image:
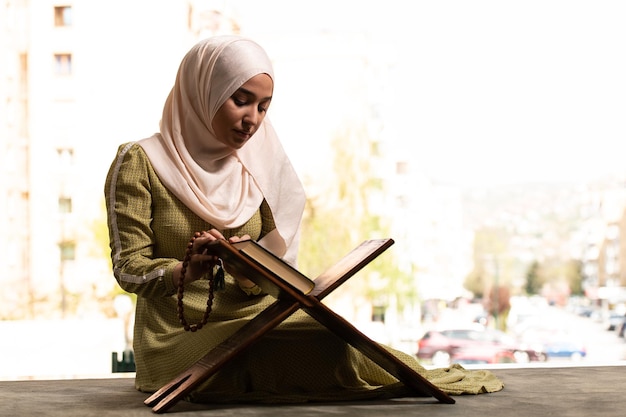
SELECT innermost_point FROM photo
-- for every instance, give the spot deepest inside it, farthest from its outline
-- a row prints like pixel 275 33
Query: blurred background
pixel 486 138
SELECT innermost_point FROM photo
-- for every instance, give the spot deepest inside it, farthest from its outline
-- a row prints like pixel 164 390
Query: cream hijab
pixel 225 187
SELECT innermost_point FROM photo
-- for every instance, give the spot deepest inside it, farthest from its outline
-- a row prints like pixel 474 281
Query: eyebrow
pixel 250 93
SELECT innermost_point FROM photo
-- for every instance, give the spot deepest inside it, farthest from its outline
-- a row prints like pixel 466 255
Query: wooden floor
pixel 545 391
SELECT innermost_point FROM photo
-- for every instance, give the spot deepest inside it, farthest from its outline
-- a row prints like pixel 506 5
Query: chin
pixel 237 144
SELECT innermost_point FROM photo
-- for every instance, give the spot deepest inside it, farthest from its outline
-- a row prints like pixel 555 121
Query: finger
pixel 216 234
pixel 205 261
pixel 199 245
pixel 206 236
pixel 203 240
pixel 234 239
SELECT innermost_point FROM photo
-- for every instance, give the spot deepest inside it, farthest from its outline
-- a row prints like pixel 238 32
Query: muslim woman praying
pixel 217 167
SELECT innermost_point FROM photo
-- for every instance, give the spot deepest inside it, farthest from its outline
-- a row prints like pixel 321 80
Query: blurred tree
pixel 533 282
pixel 490 244
pixel 555 278
pixel 574 274
pixel 498 304
pixel 102 249
pixel 100 230
pixel 475 281
pixel 339 218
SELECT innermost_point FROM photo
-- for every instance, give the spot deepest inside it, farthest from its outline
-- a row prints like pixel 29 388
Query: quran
pixel 248 259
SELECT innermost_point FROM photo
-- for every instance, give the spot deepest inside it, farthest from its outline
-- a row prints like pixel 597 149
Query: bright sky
pixel 479 92
pixel 513 91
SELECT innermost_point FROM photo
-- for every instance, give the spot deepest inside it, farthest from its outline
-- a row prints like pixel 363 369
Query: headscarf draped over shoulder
pixel 223 186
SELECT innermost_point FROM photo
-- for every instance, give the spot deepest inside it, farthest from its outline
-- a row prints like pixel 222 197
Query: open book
pixel 248 259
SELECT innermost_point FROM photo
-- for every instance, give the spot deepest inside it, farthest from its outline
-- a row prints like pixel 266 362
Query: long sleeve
pixel 129 199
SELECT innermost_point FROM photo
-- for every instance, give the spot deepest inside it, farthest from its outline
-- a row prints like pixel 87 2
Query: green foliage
pixel 100 231
pixel 490 261
pixel 339 219
pixel 474 282
pixel 575 277
pixel 392 282
pixel 102 249
pixel 325 239
pixel 552 272
pixel 533 281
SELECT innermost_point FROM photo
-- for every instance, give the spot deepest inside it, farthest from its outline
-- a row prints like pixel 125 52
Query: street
pixel 603 346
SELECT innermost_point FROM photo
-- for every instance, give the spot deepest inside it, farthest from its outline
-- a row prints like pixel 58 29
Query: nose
pixel 251 118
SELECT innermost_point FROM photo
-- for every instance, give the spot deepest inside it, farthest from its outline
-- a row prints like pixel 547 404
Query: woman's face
pixel 242 113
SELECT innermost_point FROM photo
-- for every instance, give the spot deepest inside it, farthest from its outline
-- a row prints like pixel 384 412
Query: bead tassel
pixel 216 282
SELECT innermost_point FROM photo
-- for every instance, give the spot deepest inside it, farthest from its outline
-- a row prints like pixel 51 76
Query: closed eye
pixel 238 101
pixel 264 107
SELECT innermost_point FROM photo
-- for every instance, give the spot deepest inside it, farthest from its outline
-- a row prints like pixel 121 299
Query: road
pixel 540 323
pixel 603 346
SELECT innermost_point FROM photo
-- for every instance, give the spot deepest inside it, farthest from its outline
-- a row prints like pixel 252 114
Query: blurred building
pixel 69 95
pixel 604 256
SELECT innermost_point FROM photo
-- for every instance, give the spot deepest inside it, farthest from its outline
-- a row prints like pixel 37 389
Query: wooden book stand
pixel 289 302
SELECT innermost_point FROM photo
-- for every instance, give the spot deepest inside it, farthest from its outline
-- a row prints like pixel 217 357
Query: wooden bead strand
pixel 181 283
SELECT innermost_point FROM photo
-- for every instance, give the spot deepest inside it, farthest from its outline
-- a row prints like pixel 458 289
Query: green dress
pixel 300 360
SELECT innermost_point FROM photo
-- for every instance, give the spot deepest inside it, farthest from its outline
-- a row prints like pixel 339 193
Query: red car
pixel 480 355
pixel 439 347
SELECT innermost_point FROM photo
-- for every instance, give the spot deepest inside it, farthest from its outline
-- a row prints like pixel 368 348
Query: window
pixel 68 251
pixel 63 16
pixel 62 64
pixel 66 157
pixel 402 167
pixel 65 205
pixel 378 314
pixel 21 105
pixel 402 201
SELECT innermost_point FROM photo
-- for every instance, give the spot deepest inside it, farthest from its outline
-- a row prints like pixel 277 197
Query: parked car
pixel 557 343
pixel 614 321
pixel 481 355
pixel 584 311
pixel 439 347
pixel 564 348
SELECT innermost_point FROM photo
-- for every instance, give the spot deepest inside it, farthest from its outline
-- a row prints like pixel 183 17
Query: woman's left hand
pixel 209 236
pixel 238 238
pixel 243 282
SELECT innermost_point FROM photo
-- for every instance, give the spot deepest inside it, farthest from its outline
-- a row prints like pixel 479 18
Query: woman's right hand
pixel 199 261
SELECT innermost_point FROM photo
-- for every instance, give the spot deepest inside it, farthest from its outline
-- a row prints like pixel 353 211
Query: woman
pixel 217 166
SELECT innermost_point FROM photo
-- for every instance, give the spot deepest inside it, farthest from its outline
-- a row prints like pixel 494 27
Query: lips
pixel 243 135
